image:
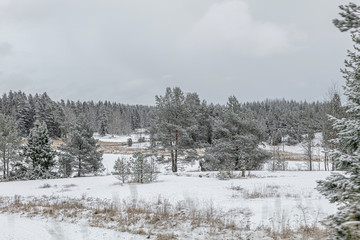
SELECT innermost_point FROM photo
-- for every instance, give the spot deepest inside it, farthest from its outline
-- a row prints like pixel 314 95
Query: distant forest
pixel 282 120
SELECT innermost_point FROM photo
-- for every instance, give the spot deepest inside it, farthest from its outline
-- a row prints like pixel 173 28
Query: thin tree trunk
pixel 7 166
pixel 79 170
pixel 4 160
pixel 243 170
pixel 176 150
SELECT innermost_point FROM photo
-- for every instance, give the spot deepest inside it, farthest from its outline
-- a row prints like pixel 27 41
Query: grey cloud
pixel 128 51
pixel 5 49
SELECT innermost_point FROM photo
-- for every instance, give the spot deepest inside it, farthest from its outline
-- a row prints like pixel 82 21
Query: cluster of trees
pixel 232 133
pixel 140 168
pixel 35 158
pixel 103 117
pixel 282 120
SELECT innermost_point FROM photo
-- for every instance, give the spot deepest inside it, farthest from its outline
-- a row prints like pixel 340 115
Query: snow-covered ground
pixel 298 148
pixel 15 227
pixel 285 193
pixel 271 199
pixel 139 133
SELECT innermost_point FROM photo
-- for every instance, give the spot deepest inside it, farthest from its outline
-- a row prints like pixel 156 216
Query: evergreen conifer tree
pixel 235 144
pixel 10 143
pixel 171 124
pixel 80 152
pixel 344 189
pixel 122 169
pixel 39 150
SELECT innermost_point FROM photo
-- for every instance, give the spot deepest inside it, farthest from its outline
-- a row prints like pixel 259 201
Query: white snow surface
pixel 296 190
pixel 123 138
pixel 15 227
pixel 295 195
pixel 298 148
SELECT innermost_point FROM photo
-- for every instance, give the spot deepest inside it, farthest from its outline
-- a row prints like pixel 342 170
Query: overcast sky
pixel 131 50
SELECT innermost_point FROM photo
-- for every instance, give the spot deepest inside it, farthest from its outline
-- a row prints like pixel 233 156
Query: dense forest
pixel 104 117
pixel 282 120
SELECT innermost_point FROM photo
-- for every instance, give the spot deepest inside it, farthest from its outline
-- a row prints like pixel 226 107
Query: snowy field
pixel 267 199
pixel 139 133
pixel 262 205
pixel 298 148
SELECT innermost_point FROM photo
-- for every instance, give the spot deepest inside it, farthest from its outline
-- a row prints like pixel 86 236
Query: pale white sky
pixel 130 50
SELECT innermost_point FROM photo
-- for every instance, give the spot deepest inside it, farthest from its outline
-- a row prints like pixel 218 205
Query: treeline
pixel 287 121
pixel 231 133
pixel 104 117
pixel 179 123
pixel 282 120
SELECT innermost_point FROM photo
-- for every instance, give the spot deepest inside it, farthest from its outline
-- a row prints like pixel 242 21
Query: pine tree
pixel 10 143
pixel 171 124
pixel 122 169
pixel 235 144
pixel 80 152
pixel 143 169
pixel 39 150
pixel 344 189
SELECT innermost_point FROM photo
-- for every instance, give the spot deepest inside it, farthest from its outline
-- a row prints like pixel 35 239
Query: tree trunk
pixel 79 170
pixel 243 170
pixel 175 160
pixel 176 151
pixel 7 166
pixel 4 160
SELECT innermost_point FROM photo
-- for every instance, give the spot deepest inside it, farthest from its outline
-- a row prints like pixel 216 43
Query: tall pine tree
pixel 171 124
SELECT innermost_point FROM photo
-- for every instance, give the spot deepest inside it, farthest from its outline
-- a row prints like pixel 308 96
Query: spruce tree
pixel 39 150
pixel 344 189
pixel 10 143
pixel 80 152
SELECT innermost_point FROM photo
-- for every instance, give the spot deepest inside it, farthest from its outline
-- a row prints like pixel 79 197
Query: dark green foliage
pixel 80 151
pixel 235 142
pixel 172 124
pixel 39 151
pixel 122 169
pixel 10 143
pixel 105 117
pixel 143 168
pixel 129 142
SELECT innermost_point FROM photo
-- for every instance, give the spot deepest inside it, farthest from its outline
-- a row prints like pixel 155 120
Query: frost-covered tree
pixel 38 149
pixel 236 141
pixel 122 169
pixel 143 168
pixel 344 189
pixel 80 152
pixel 10 143
pixel 103 122
pixel 171 123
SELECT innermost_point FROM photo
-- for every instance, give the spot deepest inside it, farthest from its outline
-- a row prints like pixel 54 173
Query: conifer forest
pixel 229 119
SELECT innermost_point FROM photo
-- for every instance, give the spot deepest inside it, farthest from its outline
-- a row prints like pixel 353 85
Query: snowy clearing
pixel 268 199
